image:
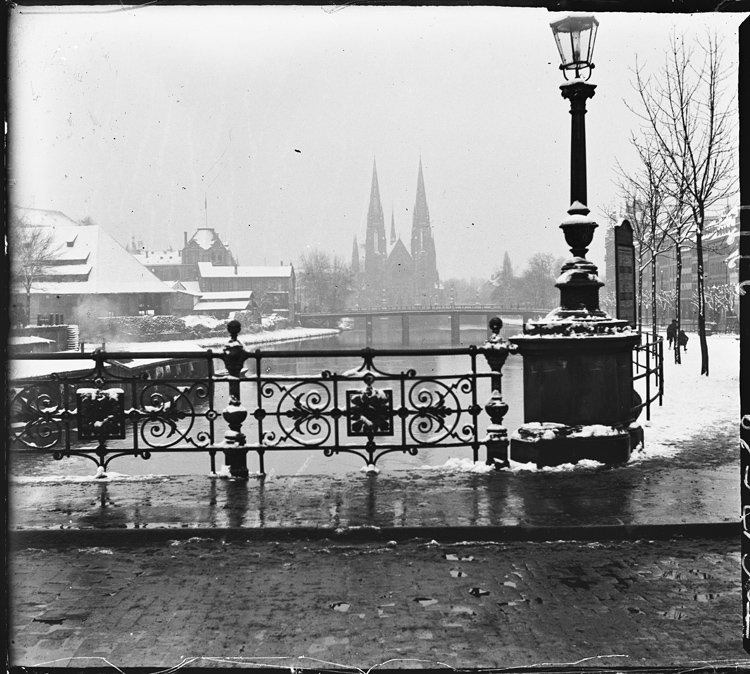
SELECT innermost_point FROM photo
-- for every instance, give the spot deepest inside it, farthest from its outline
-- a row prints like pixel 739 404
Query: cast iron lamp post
pixel 575 37
pixel 578 373
pixel 579 287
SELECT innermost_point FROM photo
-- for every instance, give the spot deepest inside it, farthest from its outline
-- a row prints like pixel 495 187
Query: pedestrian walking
pixel 671 333
pixel 682 340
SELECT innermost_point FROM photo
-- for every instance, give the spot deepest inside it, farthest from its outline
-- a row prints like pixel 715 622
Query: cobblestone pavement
pixel 304 603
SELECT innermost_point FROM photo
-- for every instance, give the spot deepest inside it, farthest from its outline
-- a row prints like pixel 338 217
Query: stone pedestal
pixel 578 393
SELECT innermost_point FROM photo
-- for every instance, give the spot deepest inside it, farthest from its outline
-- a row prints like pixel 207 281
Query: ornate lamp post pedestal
pixel 577 370
pixel 579 401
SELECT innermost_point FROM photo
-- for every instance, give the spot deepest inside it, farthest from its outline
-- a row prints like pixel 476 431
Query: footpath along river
pixel 279 462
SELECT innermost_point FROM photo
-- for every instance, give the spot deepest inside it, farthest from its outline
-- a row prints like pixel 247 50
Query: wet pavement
pixel 635 566
pixel 702 487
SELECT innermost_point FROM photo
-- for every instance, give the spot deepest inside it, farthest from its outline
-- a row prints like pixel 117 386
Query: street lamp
pixel 579 286
pixel 575 37
pixel 577 360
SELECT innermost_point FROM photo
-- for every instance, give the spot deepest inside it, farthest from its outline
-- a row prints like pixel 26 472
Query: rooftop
pixel 208 270
pixel 101 264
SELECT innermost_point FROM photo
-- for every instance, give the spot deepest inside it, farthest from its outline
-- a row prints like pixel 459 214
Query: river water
pixel 427 332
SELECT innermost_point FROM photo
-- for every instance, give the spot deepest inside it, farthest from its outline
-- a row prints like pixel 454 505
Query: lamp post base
pixel 551 444
pixel 579 401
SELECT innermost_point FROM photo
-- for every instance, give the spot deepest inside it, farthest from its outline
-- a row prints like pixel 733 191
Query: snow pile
pixel 287 335
pixel 454 465
pixel 588 464
pixel 274 322
pixel 596 431
pixel 96 551
pixel 100 394
pixel 205 321
pixel 556 326
pixel 535 431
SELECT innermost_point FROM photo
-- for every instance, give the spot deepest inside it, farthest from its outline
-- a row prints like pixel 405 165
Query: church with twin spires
pixel 389 274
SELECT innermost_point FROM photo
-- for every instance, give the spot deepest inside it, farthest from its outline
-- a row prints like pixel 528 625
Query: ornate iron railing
pixel 137 403
pixel 648 364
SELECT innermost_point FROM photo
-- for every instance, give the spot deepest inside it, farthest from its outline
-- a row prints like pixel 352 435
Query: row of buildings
pixel 720 271
pixel 90 275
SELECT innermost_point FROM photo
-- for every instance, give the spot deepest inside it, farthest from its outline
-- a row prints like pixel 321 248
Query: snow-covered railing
pixel 105 404
pixel 648 365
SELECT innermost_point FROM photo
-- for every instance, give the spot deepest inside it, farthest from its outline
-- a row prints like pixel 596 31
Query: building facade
pixel 206 266
pixel 721 276
pixel 390 275
pixel 89 276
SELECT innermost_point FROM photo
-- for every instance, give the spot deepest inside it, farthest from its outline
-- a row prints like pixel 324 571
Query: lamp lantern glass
pixel 575 37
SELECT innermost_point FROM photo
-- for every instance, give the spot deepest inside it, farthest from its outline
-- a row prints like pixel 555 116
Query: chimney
pixel 185 236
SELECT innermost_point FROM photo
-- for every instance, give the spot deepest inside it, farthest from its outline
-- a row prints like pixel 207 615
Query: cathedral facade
pixel 390 274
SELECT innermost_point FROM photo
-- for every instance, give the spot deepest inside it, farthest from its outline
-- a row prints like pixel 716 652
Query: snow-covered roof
pixel 43 218
pixel 72 255
pixel 155 257
pixel 82 270
pixel 208 270
pixel 227 295
pixel 726 226
pixel 109 268
pixel 193 287
pixel 20 340
pixel 240 305
pixel 179 286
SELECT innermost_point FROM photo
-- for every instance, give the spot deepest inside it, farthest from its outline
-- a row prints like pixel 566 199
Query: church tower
pixel 375 246
pixel 423 248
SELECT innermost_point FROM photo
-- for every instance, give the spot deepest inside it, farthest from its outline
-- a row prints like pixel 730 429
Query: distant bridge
pixel 455 311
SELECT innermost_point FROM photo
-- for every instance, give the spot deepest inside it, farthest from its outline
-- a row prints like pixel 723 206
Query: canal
pixel 427 332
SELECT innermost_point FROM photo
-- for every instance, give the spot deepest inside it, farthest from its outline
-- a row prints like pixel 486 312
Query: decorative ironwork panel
pixel 101 414
pixel 38 415
pixel 129 404
pixel 369 412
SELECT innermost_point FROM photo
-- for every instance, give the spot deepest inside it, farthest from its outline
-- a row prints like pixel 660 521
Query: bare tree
pixel 504 283
pixel 536 286
pixel 33 251
pixel 327 280
pixel 684 107
pixel 646 194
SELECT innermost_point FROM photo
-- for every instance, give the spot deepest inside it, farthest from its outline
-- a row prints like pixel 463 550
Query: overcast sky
pixel 273 115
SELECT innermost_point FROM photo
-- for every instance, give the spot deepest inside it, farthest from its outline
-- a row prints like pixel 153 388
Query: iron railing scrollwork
pixel 139 403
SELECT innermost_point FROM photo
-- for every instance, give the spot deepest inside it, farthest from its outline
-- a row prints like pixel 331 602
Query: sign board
pixel 625 272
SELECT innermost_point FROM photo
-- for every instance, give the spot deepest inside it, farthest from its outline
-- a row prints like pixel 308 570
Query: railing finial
pixel 234 327
pixel 496 324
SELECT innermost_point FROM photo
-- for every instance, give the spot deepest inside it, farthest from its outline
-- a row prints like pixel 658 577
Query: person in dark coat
pixel 682 340
pixel 671 333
